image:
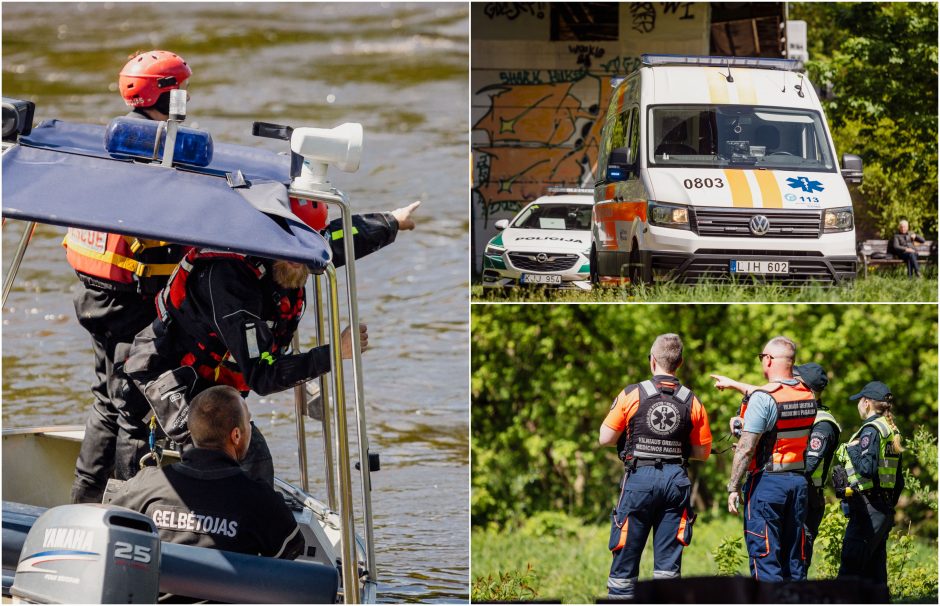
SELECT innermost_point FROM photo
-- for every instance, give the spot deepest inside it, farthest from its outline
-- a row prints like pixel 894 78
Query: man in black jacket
pixel 902 246
pixel 207 500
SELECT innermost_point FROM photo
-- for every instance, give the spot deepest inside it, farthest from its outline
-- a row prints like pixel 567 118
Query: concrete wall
pixel 536 102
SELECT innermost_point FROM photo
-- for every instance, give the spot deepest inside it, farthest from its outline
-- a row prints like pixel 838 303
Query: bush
pixel 921 480
pixel 729 556
pixel 907 581
pixel 551 524
pixel 827 548
pixel 511 586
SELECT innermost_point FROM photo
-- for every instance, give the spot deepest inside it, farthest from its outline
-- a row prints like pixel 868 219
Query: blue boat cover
pixel 62 174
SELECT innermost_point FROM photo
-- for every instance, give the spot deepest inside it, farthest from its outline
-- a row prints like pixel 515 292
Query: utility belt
pixel 157 447
pixel 880 498
pixel 878 495
pixel 779 472
pixel 846 491
pixel 635 463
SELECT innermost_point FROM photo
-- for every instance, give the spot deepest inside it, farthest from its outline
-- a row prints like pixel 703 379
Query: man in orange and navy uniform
pixel 772 449
pixel 657 426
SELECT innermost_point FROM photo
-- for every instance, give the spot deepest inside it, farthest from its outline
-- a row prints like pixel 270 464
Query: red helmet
pixel 147 75
pixel 311 212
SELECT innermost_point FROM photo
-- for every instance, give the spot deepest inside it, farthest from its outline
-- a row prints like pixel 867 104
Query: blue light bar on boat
pixel 136 138
pixel 787 65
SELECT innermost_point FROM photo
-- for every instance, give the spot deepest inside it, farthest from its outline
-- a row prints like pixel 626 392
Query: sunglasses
pixel 761 357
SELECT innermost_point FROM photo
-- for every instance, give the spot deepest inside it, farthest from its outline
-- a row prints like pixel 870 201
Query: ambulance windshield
pixel 738 135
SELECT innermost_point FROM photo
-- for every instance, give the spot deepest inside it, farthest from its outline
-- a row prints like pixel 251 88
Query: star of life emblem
pixel 663 418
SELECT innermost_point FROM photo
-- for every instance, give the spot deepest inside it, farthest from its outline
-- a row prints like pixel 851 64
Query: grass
pixel 571 565
pixel 889 287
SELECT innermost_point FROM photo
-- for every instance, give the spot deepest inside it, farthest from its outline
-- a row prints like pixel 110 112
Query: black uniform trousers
pixel 815 511
pixel 864 546
pixel 112 318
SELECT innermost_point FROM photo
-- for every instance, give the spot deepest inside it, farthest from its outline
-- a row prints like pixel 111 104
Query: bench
pixel 874 253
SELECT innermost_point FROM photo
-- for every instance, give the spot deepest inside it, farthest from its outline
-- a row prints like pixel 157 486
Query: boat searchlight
pixel 322 147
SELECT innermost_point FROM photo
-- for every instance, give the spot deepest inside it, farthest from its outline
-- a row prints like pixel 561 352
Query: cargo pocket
pixel 684 533
pixel 618 530
pixel 756 538
pixel 169 396
pixel 632 498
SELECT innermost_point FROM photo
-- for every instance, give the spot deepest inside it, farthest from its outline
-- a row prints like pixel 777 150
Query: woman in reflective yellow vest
pixel 872 462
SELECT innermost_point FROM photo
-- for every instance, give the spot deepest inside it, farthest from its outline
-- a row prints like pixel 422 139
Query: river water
pixel 400 70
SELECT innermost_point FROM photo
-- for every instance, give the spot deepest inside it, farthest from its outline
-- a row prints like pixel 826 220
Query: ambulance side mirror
pixel 851 168
pixel 620 164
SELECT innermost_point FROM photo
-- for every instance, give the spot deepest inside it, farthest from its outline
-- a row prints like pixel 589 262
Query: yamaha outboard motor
pixel 95 554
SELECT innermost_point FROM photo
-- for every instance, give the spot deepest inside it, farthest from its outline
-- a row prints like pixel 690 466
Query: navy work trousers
pixel 657 499
pixel 774 518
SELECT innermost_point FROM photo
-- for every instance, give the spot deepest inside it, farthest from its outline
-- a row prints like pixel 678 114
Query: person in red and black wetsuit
pixel 228 319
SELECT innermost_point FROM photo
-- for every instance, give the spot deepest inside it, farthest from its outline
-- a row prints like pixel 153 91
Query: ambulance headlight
pixel 838 219
pixel 667 215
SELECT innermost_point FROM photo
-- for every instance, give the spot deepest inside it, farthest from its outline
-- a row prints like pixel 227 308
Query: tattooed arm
pixel 743 453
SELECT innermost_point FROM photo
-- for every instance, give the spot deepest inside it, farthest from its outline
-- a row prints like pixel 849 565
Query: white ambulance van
pixel 720 168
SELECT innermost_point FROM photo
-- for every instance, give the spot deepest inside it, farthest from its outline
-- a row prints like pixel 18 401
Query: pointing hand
pixel 403 216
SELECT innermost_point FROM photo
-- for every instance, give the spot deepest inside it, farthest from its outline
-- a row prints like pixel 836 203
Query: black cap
pixel 876 390
pixel 813 375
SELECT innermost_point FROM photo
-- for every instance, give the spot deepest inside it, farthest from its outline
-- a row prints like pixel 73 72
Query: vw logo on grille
pixel 541 257
pixel 759 225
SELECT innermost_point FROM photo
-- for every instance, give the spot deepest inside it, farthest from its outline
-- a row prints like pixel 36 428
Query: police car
pixel 547 244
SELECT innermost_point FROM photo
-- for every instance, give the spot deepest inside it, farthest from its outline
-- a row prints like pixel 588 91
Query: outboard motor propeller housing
pixel 93 554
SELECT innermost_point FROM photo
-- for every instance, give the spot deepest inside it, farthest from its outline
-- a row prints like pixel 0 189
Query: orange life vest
pixel 121 260
pixel 783 448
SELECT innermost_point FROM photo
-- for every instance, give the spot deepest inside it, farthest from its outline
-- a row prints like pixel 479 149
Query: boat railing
pixel 345 501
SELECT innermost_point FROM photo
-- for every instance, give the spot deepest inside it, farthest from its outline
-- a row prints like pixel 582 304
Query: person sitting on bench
pixel 902 246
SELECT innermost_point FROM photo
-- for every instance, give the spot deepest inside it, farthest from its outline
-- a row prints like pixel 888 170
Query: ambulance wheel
pixel 639 273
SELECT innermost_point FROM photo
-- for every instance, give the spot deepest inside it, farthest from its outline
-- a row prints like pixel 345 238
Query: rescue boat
pixel 68 174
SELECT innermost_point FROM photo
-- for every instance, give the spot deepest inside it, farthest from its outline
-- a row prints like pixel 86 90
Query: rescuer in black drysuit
pixel 207 500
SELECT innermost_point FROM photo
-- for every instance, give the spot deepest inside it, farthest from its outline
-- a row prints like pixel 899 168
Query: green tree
pixel 880 61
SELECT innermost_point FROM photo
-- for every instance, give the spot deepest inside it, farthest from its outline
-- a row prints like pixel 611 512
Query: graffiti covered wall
pixel 537 103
